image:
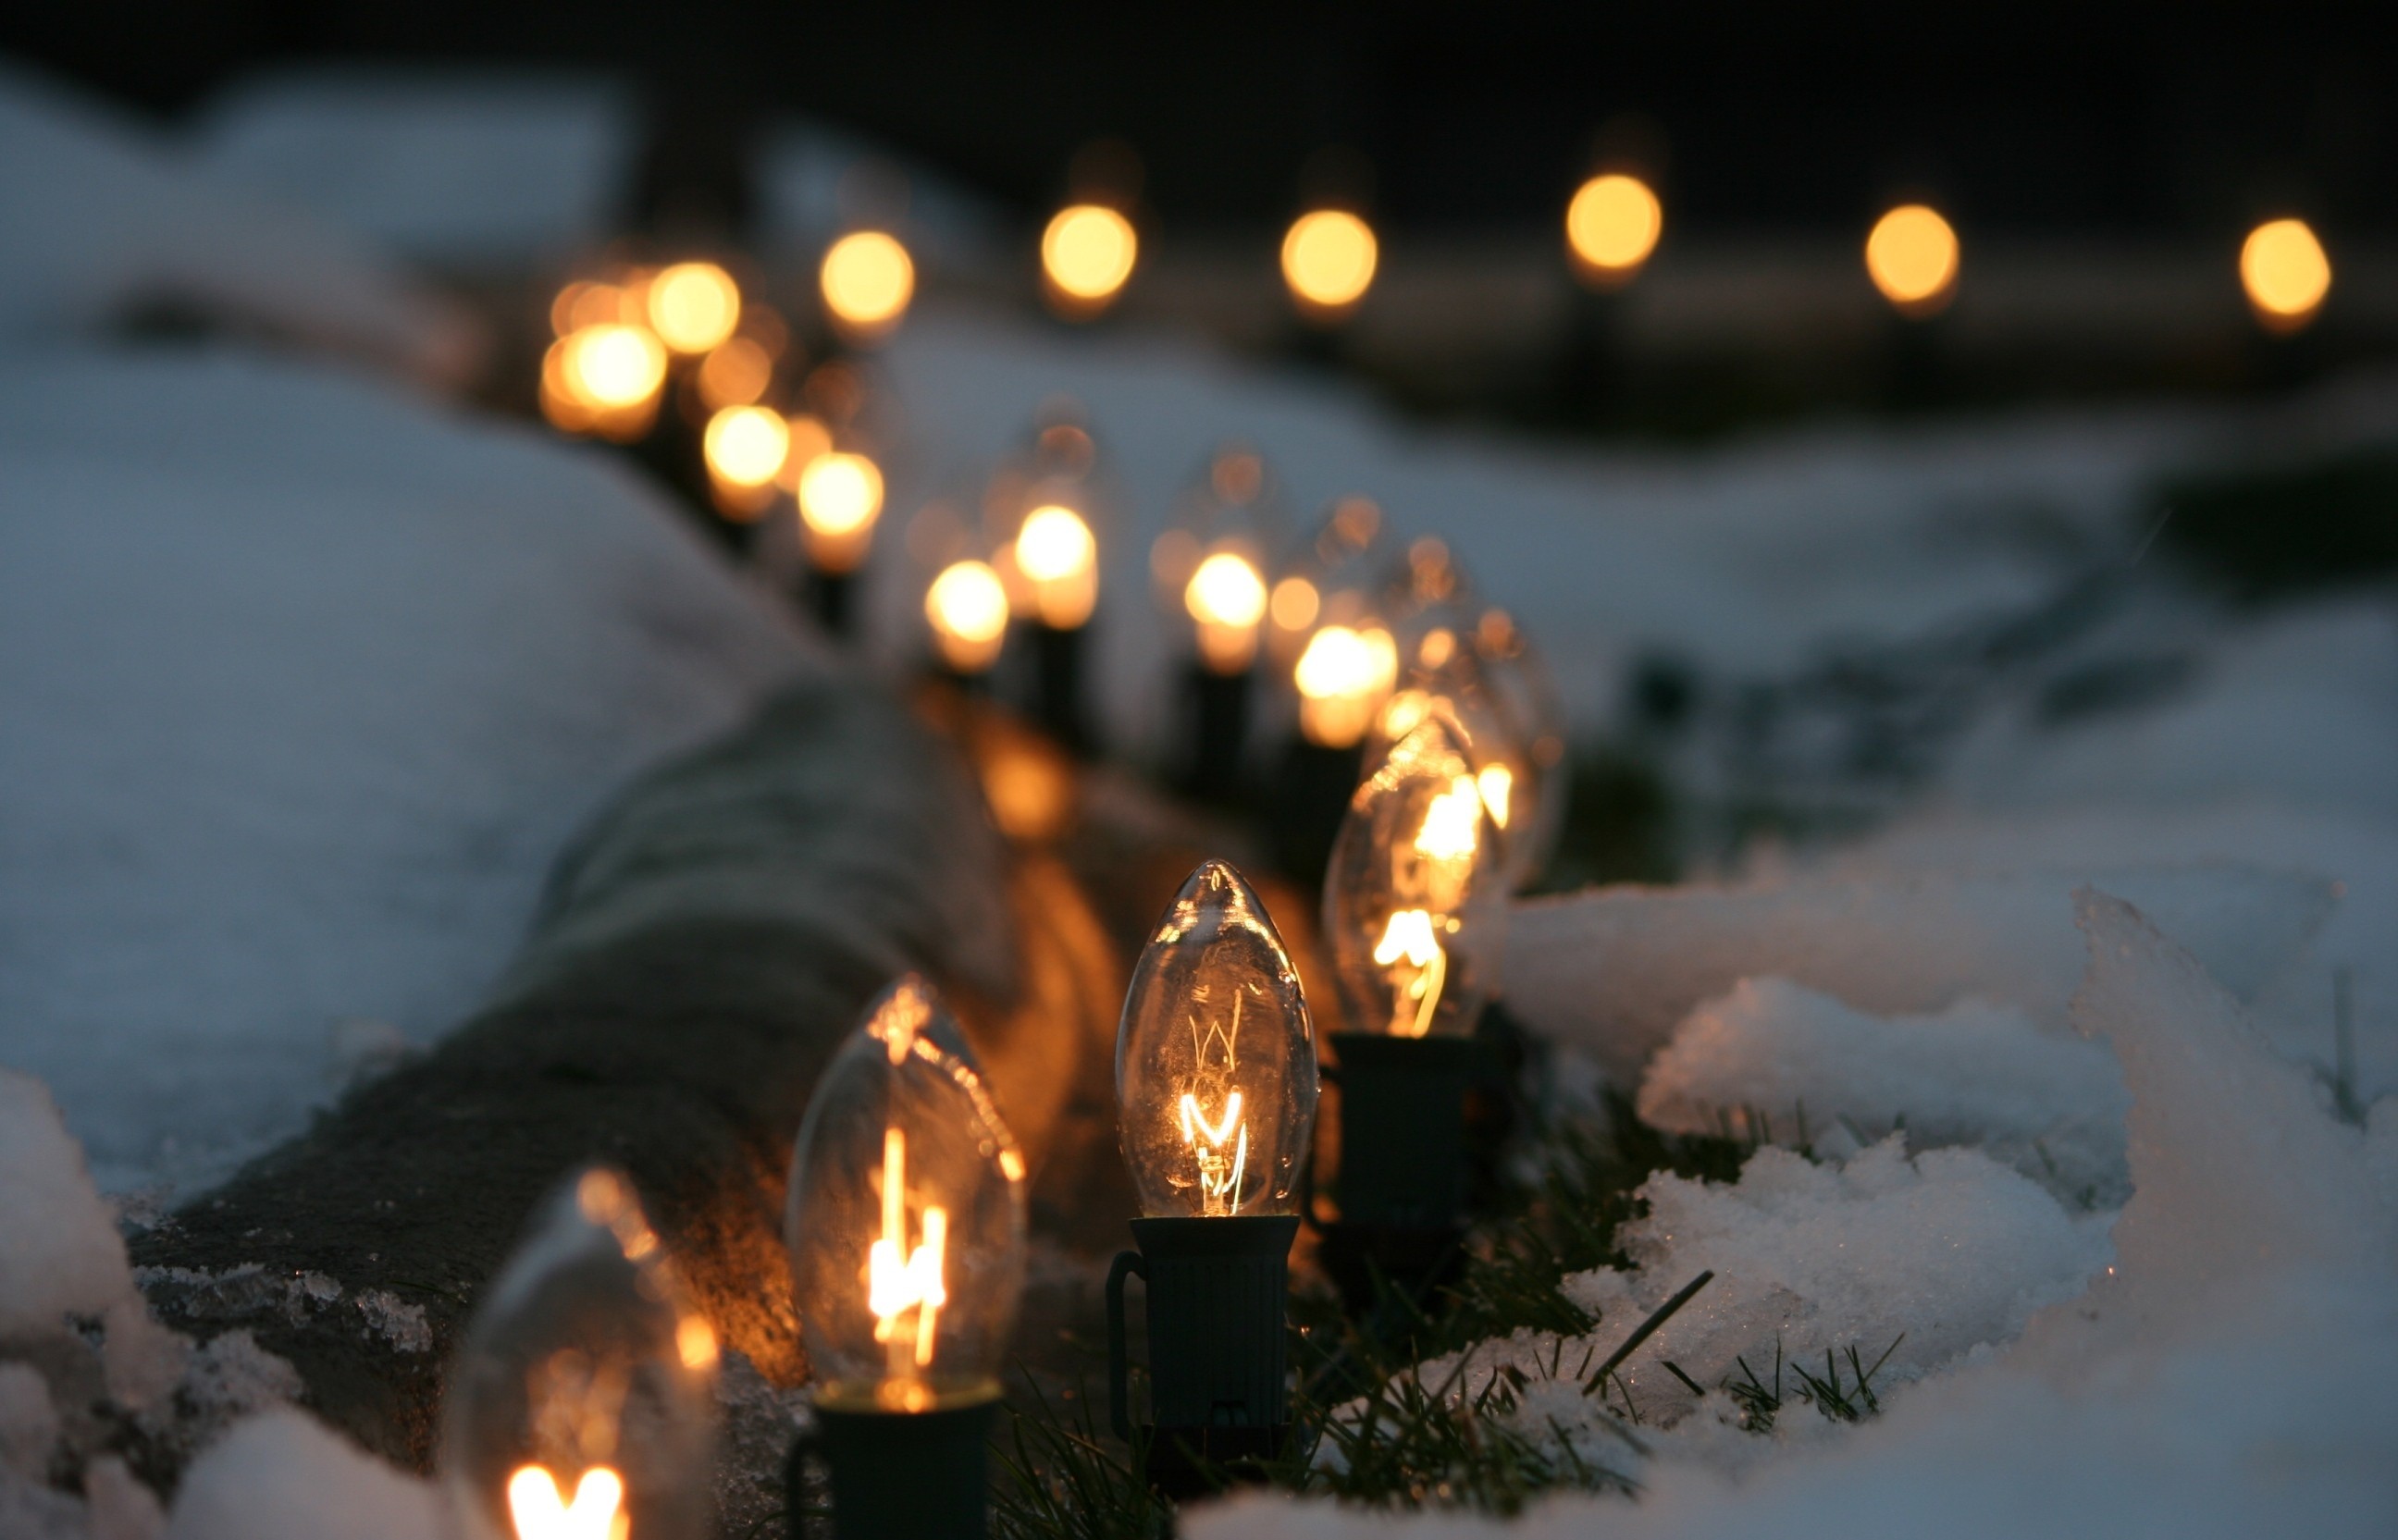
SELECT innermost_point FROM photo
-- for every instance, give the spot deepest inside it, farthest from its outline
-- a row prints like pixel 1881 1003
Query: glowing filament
pixel 1495 783
pixel 1227 599
pixel 1219 1178
pixel 893 1287
pixel 1448 831
pixel 541 1513
pixel 1058 553
pixel 1420 968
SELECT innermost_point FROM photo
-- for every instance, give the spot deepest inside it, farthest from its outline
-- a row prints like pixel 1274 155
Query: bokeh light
pixel 967 608
pixel 613 366
pixel 1912 256
pixel 693 306
pixel 1057 555
pixel 1087 254
pixel 1612 225
pixel 2285 272
pixel 1227 599
pixel 1328 259
pixel 1342 680
pixel 745 446
pixel 1295 604
pixel 867 279
pixel 735 374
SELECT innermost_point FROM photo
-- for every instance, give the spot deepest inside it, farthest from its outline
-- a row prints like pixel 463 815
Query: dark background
pixel 2131 120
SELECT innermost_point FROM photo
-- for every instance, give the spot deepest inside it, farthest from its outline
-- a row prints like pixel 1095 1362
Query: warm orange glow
pixel 1030 787
pixel 868 280
pixel 967 607
pixel 593 304
pixel 1227 599
pixel 1612 225
pixel 1328 259
pixel 900 1279
pixel 2285 272
pixel 1219 1173
pixel 1087 254
pixel 695 1343
pixel 839 497
pixel 841 493
pixel 1056 553
pixel 745 446
pixel 540 1512
pixel 735 374
pixel 693 306
pixel 1496 784
pixel 1438 865
pixel 1343 678
pixel 1912 256
pixel 613 366
pixel 1295 604
pixel 810 438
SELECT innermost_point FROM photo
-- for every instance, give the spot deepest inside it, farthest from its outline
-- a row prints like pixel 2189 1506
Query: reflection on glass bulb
pixel 585 1372
pixel 1216 1081
pixel 906 1218
pixel 1414 901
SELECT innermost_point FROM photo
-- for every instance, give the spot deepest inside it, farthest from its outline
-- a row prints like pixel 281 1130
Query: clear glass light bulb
pixel 1216 1079
pixel 1415 899
pixel 582 1406
pixel 906 1216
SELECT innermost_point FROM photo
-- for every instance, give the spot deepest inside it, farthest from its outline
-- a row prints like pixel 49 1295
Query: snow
pixel 2223 1379
pixel 103 217
pixel 281 1476
pixel 1974 1073
pixel 1612 972
pixel 309 684
pixel 1745 560
pixel 467 169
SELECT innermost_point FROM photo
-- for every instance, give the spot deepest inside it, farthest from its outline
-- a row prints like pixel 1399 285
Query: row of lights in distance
pixel 1612 225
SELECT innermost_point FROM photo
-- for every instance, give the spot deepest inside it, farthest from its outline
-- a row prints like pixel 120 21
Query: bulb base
pixel 1057 684
pixel 828 595
pixel 899 1474
pixel 1404 1160
pixel 1220 731
pixel 1215 1312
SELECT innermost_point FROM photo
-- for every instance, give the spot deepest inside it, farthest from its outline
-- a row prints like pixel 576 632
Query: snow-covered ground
pixel 310 676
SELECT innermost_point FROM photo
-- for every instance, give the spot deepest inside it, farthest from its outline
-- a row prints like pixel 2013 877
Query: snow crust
pixel 1613 971
pixel 309 684
pixel 104 216
pixel 2221 1378
pixel 1770 1059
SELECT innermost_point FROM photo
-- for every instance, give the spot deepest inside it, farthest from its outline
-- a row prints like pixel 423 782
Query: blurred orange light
pixel 1328 259
pixel 1056 552
pixel 967 608
pixel 2285 272
pixel 1227 599
pixel 693 306
pixel 1295 604
pixel 1912 256
pixel 840 496
pixel 613 366
pixel 745 446
pixel 1088 255
pixel 1343 678
pixel 868 280
pixel 735 374
pixel 1612 225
